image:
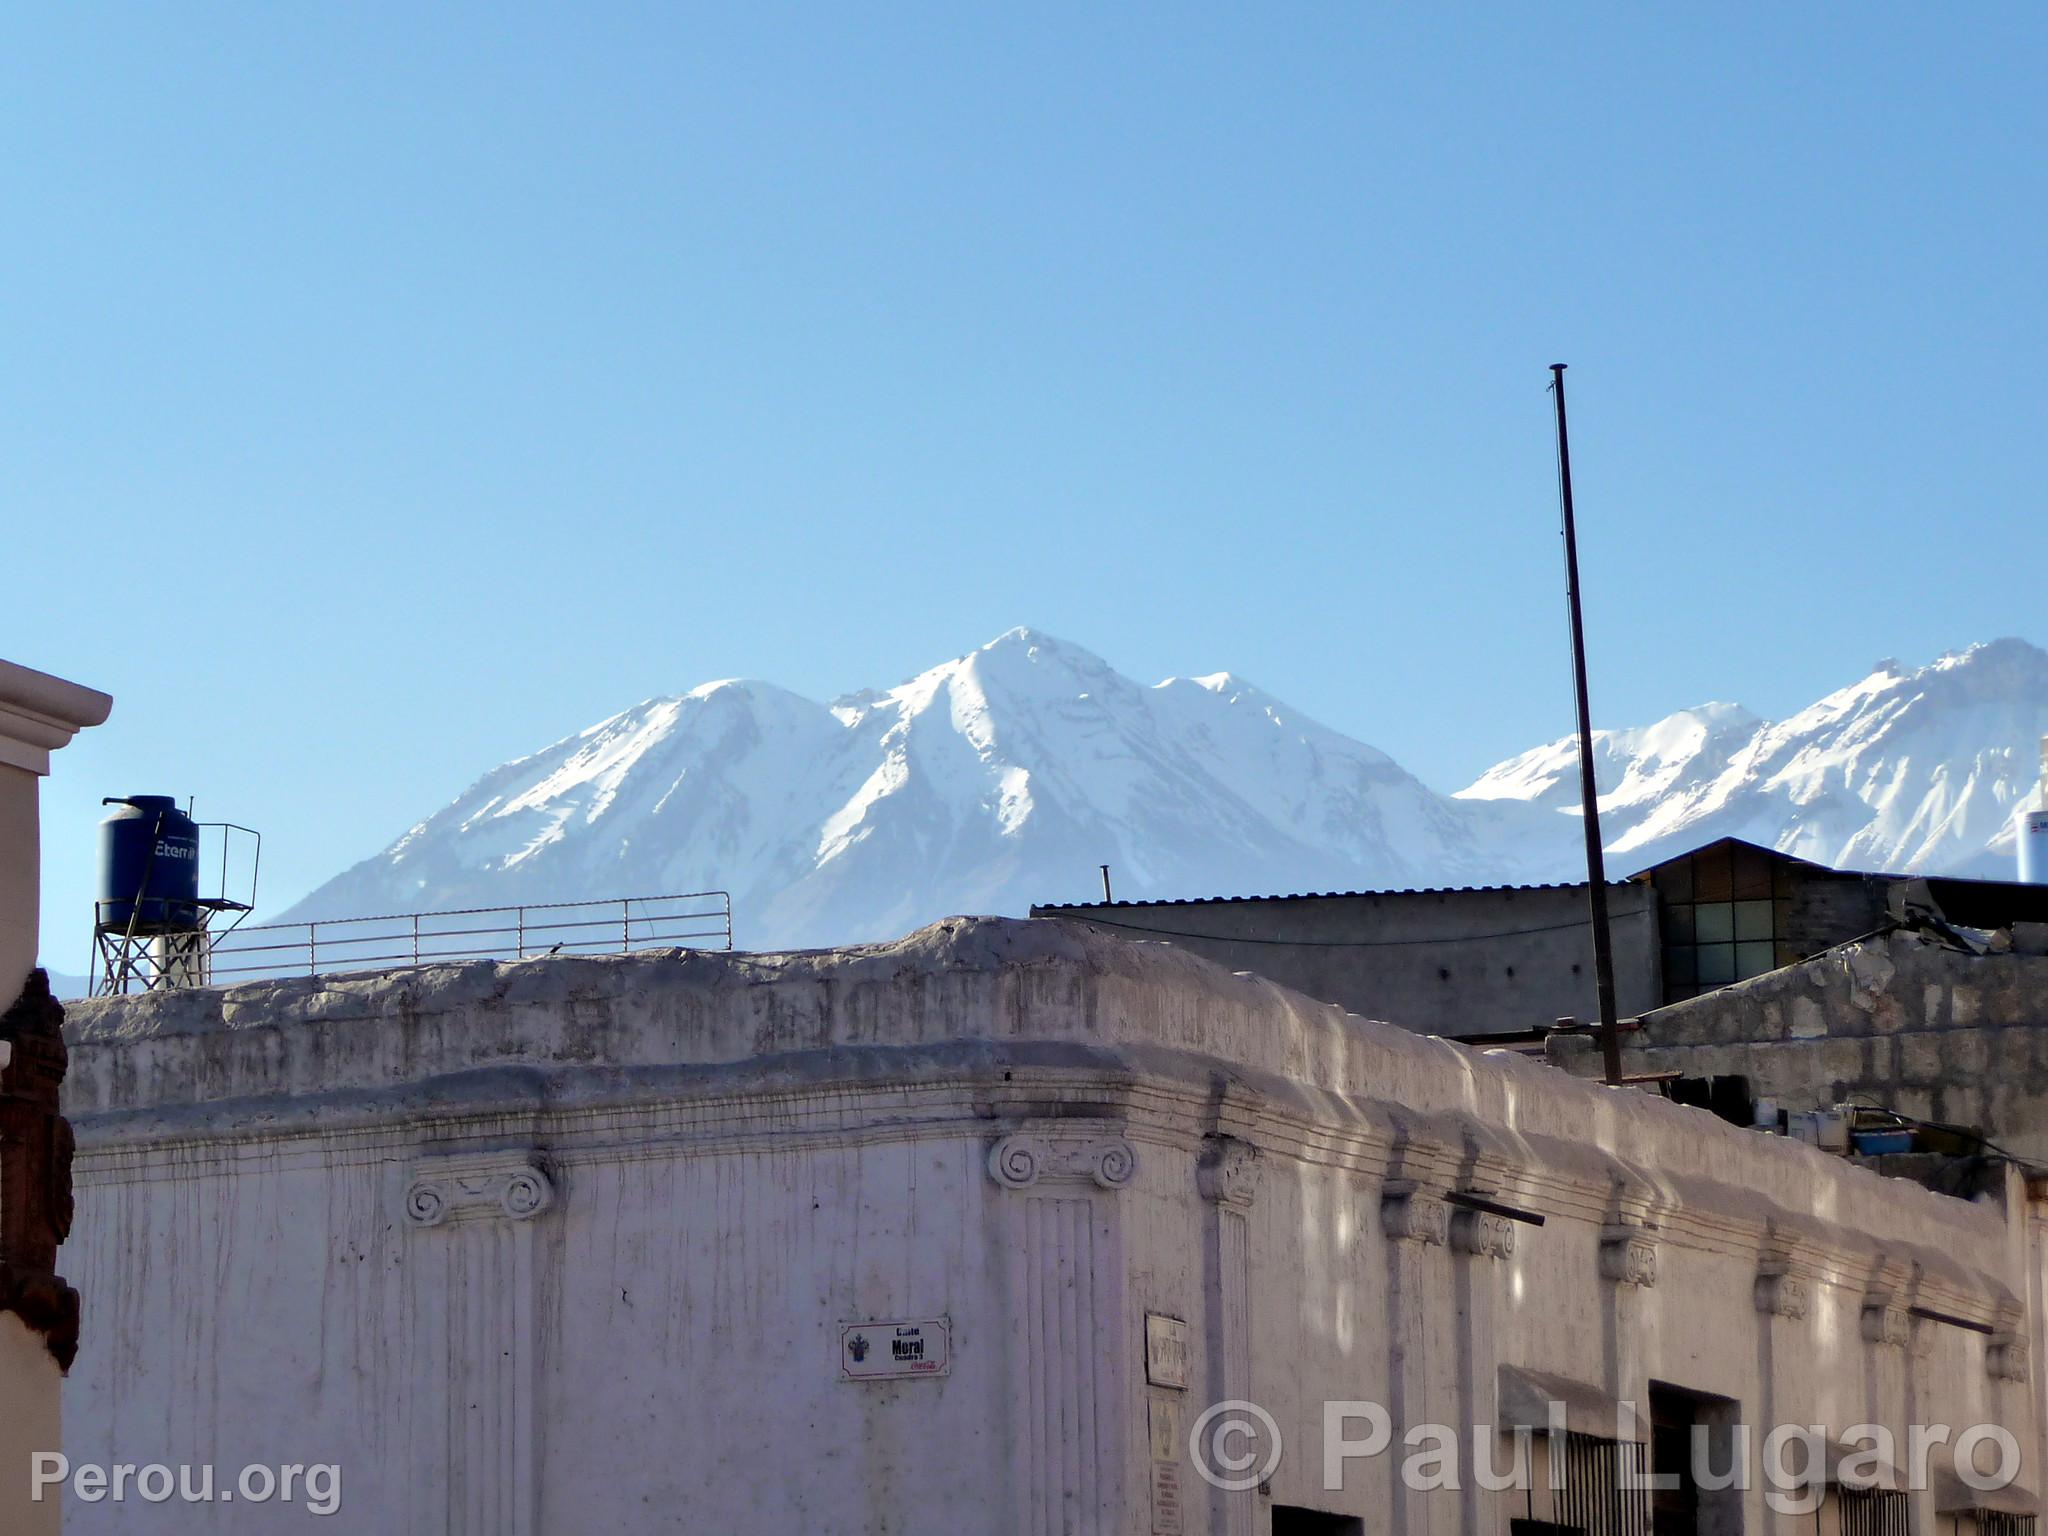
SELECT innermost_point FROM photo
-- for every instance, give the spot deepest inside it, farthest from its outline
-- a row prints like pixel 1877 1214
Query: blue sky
pixel 390 390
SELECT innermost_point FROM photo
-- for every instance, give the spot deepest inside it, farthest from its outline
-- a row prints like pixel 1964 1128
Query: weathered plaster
pixel 1036 1133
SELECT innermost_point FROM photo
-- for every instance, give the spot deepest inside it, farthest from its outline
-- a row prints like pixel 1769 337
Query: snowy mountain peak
pixel 722 685
pixel 991 781
pixel 1992 666
pixel 1634 764
pixel 1994 663
pixel 1029 657
pixel 1904 769
pixel 1005 776
pixel 1023 637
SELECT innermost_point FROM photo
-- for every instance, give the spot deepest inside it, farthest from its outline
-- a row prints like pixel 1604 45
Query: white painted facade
pixel 571 1246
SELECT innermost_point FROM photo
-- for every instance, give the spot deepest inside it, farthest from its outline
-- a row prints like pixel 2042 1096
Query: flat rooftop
pixel 1039 1017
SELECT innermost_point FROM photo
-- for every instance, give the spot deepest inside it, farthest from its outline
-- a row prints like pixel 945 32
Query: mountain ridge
pixel 1815 783
pixel 1003 777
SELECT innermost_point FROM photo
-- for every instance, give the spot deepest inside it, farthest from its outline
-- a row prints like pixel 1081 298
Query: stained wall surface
pixel 574 1245
pixel 1460 962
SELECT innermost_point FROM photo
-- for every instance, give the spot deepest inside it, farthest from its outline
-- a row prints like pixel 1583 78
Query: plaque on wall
pixel 1166 1351
pixel 894 1348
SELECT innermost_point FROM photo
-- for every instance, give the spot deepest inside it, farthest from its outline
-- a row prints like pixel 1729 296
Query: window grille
pixel 1605 1492
pixel 1873 1512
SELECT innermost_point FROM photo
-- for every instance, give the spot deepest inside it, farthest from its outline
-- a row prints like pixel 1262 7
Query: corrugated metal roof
pixel 1639 876
pixel 1213 901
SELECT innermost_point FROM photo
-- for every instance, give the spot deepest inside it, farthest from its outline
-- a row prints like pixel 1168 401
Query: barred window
pixel 1873 1512
pixel 1604 1492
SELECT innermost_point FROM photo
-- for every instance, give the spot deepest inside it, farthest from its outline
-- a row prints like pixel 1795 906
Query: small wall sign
pixel 1163 1424
pixel 895 1348
pixel 1162 1421
pixel 1166 1351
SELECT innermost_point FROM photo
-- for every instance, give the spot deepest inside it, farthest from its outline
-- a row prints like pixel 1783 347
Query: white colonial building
pixel 965 1233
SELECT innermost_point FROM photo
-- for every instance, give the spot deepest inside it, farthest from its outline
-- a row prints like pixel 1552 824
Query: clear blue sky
pixel 389 390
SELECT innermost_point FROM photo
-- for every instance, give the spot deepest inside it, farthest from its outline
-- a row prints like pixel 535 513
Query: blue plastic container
pixel 149 867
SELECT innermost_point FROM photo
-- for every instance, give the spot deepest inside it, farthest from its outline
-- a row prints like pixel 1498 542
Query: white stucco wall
pixel 30 1422
pixel 564 1246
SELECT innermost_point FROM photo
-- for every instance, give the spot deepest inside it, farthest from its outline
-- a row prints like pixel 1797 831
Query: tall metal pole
pixel 1589 793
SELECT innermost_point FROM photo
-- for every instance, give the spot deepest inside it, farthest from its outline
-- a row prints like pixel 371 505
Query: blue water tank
pixel 149 866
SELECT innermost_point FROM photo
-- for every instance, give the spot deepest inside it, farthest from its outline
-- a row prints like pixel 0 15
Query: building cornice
pixel 40 713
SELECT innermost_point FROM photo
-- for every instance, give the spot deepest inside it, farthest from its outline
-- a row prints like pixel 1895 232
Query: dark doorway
pixel 1686 1426
pixel 1674 1509
pixel 1289 1520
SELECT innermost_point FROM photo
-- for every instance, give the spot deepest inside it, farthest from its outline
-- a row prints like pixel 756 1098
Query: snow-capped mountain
pixel 993 781
pixel 1916 771
pixel 1006 776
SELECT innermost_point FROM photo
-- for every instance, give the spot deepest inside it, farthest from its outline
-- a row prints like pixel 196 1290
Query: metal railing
pixel 695 920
